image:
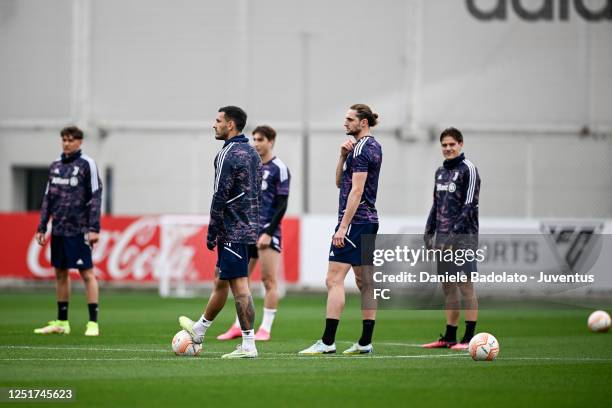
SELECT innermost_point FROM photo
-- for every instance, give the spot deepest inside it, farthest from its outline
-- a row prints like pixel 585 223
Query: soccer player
pixel 453 224
pixel 72 200
pixel 233 226
pixel 357 178
pixel 274 196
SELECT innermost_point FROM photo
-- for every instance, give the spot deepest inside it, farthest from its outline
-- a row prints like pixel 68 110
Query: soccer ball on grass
pixel 182 345
pixel 599 321
pixel 484 346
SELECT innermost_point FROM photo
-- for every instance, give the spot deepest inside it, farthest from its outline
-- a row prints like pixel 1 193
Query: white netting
pixel 181 267
pixel 177 271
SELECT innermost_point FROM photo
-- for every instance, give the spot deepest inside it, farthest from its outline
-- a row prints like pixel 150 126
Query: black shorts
pixel 351 252
pixel 275 244
pixel 450 268
pixel 71 252
pixel 233 260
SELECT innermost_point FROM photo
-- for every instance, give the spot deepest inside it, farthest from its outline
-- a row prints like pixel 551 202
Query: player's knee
pixel 61 275
pixel 240 290
pixel 220 285
pixel 467 290
pixel 470 304
pixel 449 289
pixel 88 276
pixel 332 282
pixel 269 283
pixel 242 297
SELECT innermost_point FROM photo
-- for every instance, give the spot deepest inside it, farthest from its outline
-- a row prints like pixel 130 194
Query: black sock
pixel 366 332
pixel 93 312
pixel 329 336
pixel 470 328
pixel 62 310
pixel 451 334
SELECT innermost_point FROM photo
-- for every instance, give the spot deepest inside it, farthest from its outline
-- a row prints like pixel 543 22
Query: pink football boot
pixel 233 333
pixel 262 335
pixel 440 343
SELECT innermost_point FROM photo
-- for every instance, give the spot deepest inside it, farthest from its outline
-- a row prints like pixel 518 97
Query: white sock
pixel 201 325
pixel 237 322
pixel 248 339
pixel 268 319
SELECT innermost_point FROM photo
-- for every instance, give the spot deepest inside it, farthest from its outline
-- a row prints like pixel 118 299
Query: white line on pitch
pixel 290 357
pixel 84 348
pixel 279 355
pixel 80 348
pixel 558 358
pixel 161 351
pixel 399 344
pixel 287 356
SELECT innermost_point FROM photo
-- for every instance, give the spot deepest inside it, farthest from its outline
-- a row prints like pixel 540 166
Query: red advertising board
pixel 129 250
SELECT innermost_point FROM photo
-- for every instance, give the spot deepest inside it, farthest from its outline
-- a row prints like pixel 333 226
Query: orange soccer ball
pixel 484 347
pixel 599 321
pixel 182 345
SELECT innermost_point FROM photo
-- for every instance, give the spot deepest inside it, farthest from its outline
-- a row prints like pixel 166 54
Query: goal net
pixel 186 266
pixel 182 260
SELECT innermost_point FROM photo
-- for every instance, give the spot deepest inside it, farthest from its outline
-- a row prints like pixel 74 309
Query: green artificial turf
pixel 547 358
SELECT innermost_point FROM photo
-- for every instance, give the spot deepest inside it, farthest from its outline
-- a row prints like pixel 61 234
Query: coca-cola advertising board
pixel 128 250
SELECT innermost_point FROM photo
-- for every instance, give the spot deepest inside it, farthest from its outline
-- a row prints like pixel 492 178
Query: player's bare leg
pixel 91 285
pixel 244 302
pixel 368 312
pixel 269 269
pixel 217 298
pixel 452 309
pixel 62 285
pixel 368 307
pixel 215 304
pixel 235 331
pixel 245 310
pixel 452 303
pixel 470 305
pixel 92 293
pixel 62 291
pixel 269 259
pixel 336 273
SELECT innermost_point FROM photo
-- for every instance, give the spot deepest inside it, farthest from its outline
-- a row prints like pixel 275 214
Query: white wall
pixel 155 72
pixel 317 231
pixel 35 70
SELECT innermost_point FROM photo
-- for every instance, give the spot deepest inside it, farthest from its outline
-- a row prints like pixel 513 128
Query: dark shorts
pixel 450 268
pixel 351 252
pixel 70 252
pixel 233 260
pixel 275 244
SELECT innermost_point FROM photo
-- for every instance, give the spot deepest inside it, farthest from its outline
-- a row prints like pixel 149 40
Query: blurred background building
pixel 529 82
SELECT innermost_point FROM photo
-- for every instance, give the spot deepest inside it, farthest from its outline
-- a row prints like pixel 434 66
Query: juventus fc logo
pixel 576 245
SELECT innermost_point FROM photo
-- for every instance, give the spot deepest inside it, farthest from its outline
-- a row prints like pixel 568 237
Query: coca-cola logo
pixel 118 255
pixel 135 251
